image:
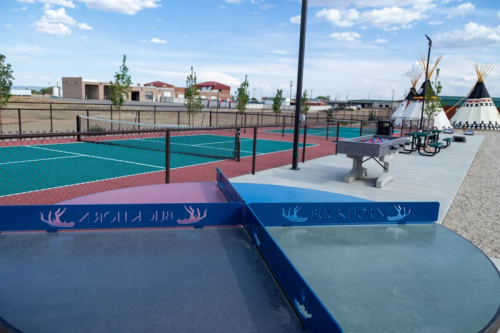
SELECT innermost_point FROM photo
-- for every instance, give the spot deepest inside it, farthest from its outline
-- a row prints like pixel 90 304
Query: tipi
pixel 414 75
pixel 414 109
pixel 478 111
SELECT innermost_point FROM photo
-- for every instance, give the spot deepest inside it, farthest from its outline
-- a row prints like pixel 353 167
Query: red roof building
pixel 159 84
pixel 213 85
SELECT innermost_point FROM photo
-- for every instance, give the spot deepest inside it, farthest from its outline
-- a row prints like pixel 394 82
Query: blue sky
pixel 358 47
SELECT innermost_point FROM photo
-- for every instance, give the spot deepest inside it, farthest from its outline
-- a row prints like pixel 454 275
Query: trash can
pixel 385 127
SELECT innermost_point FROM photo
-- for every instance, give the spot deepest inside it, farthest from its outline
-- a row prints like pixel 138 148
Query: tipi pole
pixel 426 83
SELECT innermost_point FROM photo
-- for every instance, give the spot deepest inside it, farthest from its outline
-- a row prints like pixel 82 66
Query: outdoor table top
pixel 418 134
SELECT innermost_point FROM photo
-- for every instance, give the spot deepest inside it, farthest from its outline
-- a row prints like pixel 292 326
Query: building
pixel 375 103
pixel 157 91
pixel 78 88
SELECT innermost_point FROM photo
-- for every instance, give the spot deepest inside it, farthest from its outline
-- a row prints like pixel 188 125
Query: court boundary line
pixel 99 157
pixel 39 160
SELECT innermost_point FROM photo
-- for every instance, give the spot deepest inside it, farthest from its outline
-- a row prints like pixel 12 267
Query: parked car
pixel 358 107
pixel 350 107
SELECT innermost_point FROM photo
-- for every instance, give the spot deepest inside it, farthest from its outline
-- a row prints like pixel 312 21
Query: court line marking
pixel 99 157
pixel 39 160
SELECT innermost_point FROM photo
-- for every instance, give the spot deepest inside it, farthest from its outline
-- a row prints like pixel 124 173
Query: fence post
pixel 19 120
pixel 361 129
pixel 139 119
pixel 167 158
pixel 327 130
pixel 254 153
pixel 402 128
pixel 317 117
pixel 51 120
pixel 284 120
pixel 304 145
pixel 111 112
pixel 88 123
pixel 236 119
pixel 154 115
pixel 179 118
pixel 210 121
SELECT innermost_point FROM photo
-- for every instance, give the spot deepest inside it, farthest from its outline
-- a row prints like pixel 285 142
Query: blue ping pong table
pixel 270 259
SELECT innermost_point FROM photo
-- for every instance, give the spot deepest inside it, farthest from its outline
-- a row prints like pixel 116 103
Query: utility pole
pixel 291 85
pixel 300 76
pixel 392 103
pixel 425 84
pixel 312 94
pixel 253 92
pixel 370 95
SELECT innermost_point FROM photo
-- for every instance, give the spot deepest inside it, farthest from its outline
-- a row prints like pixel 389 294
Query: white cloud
pixel 295 19
pixel 8 26
pixel 23 49
pixel 84 26
pixel 498 15
pixel 267 6
pixel 129 7
pixel 157 41
pixel 233 1
pixel 64 3
pixel 436 22
pixel 58 16
pixel 472 35
pixel 370 3
pixel 52 28
pixel 461 10
pixel 381 41
pixel 20 9
pixel 345 36
pixel 221 6
pixel 279 52
pixel 381 18
pixel 26 1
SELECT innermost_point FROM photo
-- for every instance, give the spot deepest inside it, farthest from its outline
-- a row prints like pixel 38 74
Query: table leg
pixel 357 170
pixel 388 175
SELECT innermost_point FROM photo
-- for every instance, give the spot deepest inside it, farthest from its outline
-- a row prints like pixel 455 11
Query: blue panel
pixel 261 193
pixel 227 188
pixel 77 217
pixel 312 313
pixel 309 214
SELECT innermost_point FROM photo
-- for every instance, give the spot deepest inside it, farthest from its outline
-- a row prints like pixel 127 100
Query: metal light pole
pixel 425 83
pixel 291 85
pixel 300 75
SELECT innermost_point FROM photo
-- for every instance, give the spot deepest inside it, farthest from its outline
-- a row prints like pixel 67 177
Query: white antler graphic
pixel 193 217
pixel 56 221
pixel 302 306
pixel 293 217
pixel 400 216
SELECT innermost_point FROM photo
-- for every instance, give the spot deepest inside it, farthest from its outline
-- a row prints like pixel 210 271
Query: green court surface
pixel 344 132
pixel 38 167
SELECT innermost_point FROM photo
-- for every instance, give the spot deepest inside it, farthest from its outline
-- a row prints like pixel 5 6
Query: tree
pixel 242 96
pixel 433 104
pixel 6 79
pixel 192 96
pixel 254 99
pixel 277 102
pixel 121 88
pixel 304 107
pixel 44 91
pixel 323 97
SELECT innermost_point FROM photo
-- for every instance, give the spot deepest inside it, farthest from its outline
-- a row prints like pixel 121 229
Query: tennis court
pixel 46 166
pixel 344 132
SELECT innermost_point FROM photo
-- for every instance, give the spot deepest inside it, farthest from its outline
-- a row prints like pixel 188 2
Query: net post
pixel 338 132
pixel 283 133
pixel 19 121
pixel 178 118
pixel 304 145
pixel 254 152
pixel 210 111
pixel 78 127
pixel 51 120
pixel 154 115
pixel 111 112
pixel 237 144
pixel 167 157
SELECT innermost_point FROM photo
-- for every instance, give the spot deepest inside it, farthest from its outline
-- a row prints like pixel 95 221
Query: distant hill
pixel 26 88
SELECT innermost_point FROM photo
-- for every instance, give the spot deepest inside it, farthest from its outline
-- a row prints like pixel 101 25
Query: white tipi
pixel 413 111
pixel 478 111
pixel 414 75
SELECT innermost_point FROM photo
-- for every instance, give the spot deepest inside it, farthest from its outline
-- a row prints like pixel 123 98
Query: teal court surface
pixel 344 132
pixel 30 168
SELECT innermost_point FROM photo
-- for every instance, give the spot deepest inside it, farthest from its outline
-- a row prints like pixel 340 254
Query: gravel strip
pixel 475 212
